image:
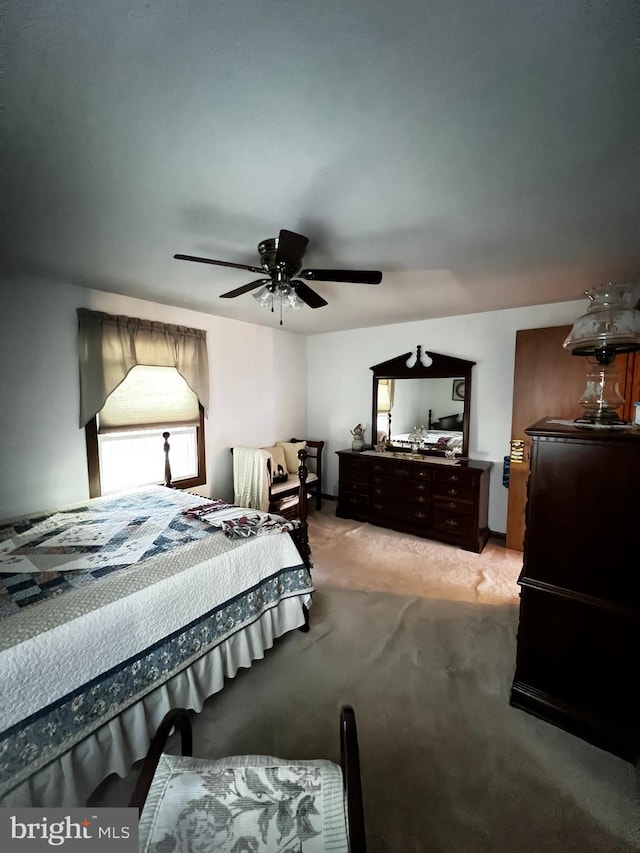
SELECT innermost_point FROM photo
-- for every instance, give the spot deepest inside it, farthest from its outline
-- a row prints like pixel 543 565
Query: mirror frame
pixel 441 367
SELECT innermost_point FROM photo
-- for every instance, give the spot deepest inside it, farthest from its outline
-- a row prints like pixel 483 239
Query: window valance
pixel 109 346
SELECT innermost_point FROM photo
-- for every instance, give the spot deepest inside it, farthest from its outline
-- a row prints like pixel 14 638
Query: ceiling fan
pixel 281 259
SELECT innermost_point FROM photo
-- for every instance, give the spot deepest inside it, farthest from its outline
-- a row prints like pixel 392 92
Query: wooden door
pixel 548 382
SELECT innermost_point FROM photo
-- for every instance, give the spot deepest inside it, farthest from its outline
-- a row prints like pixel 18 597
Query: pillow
pixel 278 456
pixel 455 443
pixel 291 449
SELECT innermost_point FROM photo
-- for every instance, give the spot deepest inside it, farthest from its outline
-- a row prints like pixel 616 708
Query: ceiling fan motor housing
pixel 268 250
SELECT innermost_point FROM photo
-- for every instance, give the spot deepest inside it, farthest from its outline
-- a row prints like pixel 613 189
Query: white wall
pixel 340 381
pixel 266 385
pixel 257 376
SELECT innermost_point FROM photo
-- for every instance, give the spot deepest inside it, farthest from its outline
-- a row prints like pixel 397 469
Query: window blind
pixel 149 396
pixel 385 395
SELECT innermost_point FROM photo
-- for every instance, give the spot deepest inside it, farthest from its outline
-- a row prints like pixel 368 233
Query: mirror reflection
pixel 421 403
pixel 421 413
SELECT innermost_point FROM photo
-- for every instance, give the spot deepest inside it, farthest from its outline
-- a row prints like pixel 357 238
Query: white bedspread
pixel 70 653
pixel 202 590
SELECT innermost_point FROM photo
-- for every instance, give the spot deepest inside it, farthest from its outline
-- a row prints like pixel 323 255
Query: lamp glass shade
pixel 609 324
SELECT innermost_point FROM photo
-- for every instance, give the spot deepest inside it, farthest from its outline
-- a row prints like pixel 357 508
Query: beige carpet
pixel 352 555
pixel 447 764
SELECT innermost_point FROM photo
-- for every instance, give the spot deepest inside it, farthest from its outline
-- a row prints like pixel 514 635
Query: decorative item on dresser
pixel 358 437
pixel 432 497
pixel 610 327
pixel 577 651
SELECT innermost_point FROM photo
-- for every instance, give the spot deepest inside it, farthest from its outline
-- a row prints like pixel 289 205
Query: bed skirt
pixel 116 746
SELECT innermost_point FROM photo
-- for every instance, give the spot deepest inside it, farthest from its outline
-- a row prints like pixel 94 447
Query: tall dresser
pixel 420 496
pixel 578 647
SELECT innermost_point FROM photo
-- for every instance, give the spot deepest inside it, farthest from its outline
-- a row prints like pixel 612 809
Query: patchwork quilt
pixel 102 602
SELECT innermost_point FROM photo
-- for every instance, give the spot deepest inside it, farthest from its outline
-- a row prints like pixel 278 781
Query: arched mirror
pixel 421 403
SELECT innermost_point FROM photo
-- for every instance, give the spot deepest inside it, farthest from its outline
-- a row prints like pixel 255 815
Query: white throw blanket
pixel 251 477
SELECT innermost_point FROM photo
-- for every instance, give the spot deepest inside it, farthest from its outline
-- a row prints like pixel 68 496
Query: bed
pixel 116 609
pixel 434 439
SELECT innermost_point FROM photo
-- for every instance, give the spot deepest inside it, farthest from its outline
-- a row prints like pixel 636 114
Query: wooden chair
pixel 258 803
pixel 283 495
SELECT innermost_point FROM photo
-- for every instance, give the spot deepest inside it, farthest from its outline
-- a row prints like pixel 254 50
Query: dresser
pixel 579 629
pixel 434 499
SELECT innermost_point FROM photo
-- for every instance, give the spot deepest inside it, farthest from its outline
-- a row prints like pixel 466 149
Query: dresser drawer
pixel 354 487
pixel 354 471
pixel 455 523
pixel 455 484
pixel 409 514
pixel 401 471
pixel 453 505
pixel 356 504
pixel 399 490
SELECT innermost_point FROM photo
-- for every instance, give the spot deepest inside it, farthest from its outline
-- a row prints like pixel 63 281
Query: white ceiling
pixel 481 154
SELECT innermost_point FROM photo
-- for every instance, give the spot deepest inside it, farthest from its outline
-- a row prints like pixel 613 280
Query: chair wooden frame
pixel 179 718
pixel 313 451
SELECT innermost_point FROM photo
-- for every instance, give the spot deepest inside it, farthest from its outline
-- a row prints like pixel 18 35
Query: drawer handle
pixel 451 522
pixel 420 515
pixel 420 487
pixel 453 478
pixel 377 506
pixel 377 491
pixel 420 499
pixel 400 472
pixel 353 500
pixel 452 492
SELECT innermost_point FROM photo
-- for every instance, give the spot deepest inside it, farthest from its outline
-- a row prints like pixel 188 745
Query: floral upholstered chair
pixel 249 803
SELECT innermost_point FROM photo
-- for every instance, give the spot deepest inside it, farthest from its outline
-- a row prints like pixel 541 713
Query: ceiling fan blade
pixel 353 276
pixel 245 288
pixel 313 299
pixel 217 263
pixel 291 248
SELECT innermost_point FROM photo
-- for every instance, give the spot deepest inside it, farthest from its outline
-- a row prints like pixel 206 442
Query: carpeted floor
pixel 420 639
pixel 352 555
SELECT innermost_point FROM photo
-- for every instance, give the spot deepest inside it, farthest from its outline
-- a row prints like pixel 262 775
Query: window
pixel 385 404
pixel 144 389
pixel 128 441
pixel 136 457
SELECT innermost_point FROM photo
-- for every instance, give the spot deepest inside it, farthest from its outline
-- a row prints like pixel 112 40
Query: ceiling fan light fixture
pixel 264 297
pixel 289 298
